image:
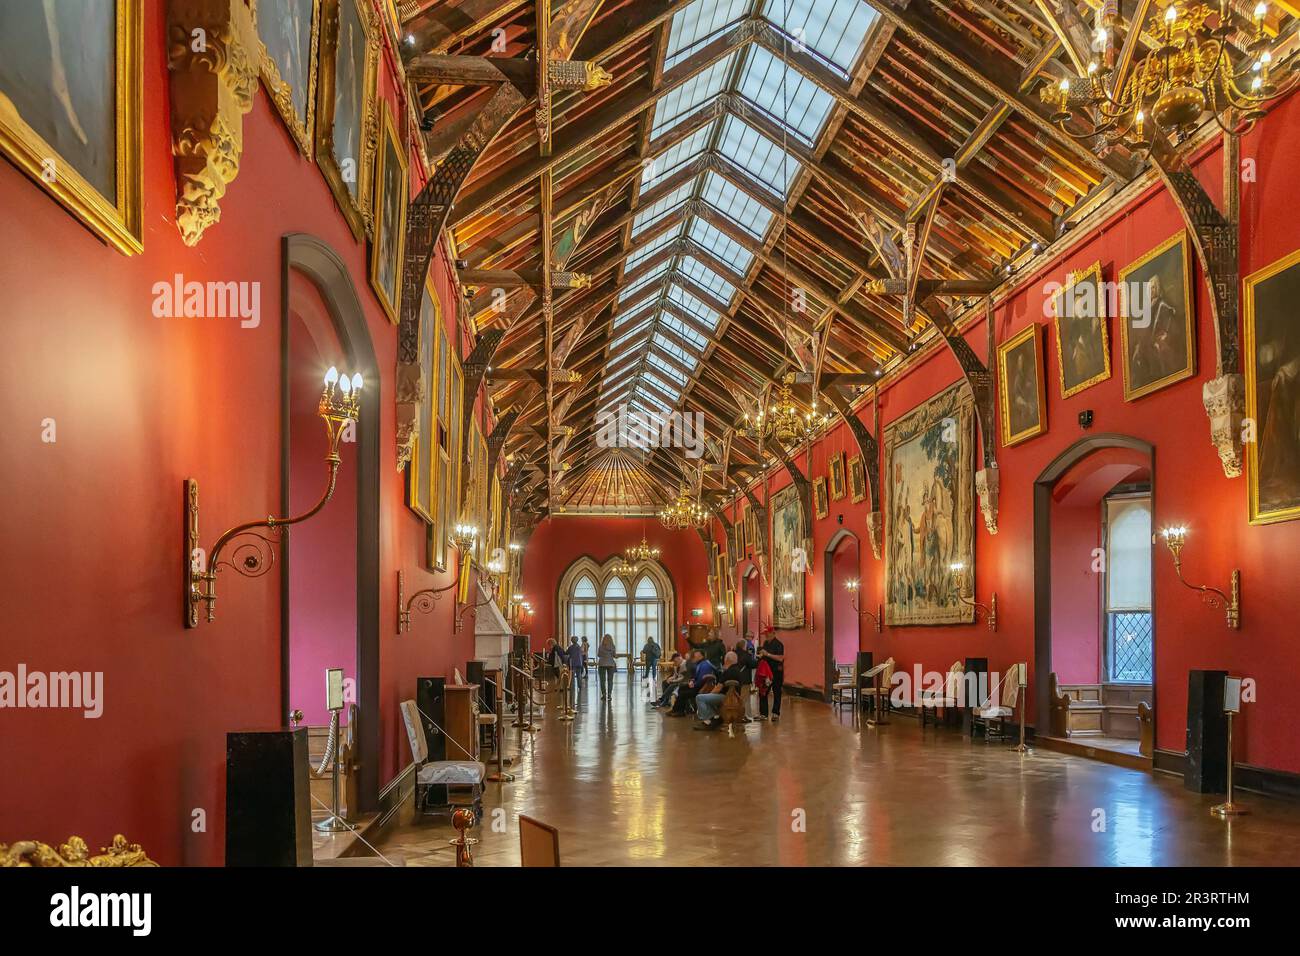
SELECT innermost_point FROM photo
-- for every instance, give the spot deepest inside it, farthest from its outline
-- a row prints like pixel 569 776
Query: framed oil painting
pixel 1157 337
pixel 742 541
pixel 930 519
pixel 70 108
pixel 857 479
pixel 1082 340
pixel 836 476
pixel 821 507
pixel 345 107
pixel 787 534
pixel 422 469
pixel 1272 362
pixel 1020 377
pixel 289 30
pixel 392 189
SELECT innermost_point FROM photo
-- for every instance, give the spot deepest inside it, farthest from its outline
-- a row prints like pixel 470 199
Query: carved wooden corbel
pixel 213 56
pixel 869 447
pixel 1216 238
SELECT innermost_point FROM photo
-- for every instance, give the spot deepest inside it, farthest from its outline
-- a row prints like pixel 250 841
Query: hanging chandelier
pixel 1190 71
pixel 641 553
pixel 782 420
pixel 684 513
pixel 625 568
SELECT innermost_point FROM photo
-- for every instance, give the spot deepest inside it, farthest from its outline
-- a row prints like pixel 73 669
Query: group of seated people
pixel 700 681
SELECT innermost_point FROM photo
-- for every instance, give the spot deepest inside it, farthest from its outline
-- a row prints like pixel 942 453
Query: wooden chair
pixel 946 697
pixel 845 689
pixel 882 679
pixel 993 715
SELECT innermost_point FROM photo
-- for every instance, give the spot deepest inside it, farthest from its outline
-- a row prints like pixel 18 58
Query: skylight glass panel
pixel 664 344
pixel 653 406
pixel 684 331
pixel 674 157
pixel 722 247
pixel 699 22
pixel 737 205
pixel 628 340
pixel 638 287
pixel 653 380
pixel 693 305
pixel 834 29
pixel 648 215
pixel 758 155
pixel 669 373
pixel 707 278
pixel 650 247
pixel 682 101
pixel 785 94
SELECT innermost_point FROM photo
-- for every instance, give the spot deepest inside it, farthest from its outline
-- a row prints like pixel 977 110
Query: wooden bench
pixel 1098 710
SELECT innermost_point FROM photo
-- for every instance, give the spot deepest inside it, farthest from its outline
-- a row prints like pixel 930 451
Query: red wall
pixel 1076 595
pixel 90 577
pixel 1190 487
pixel 559 541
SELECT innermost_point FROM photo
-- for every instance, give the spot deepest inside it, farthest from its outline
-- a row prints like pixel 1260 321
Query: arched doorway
pixel 594 600
pixel 751 613
pixel 842 625
pixel 330 584
pixel 1094 621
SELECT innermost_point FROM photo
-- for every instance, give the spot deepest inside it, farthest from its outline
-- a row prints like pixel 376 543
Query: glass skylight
pixel 647 249
pixel 698 23
pixel 736 205
pixel 785 94
pixel 758 155
pixel 674 157
pixel 833 29
pixel 648 215
pixel 681 101
pixel 722 247
pixel 684 331
pixel 707 278
pixel 666 370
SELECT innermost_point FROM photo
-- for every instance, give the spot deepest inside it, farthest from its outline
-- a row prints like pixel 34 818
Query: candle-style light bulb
pixel 356 381
pixel 331 376
pixel 345 385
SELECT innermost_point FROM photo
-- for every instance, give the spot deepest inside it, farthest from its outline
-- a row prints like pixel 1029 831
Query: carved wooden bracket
pixel 496 439
pixel 1216 238
pixel 213 56
pixel 760 546
pixel 475 366
pixel 869 446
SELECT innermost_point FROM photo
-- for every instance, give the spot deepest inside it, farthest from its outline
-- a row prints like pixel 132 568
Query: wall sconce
pixel 340 404
pixel 422 601
pixel 853 587
pixel 464 536
pixel 1176 537
pixel 967 596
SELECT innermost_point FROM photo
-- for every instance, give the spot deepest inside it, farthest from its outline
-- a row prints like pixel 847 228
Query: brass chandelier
pixel 641 553
pixel 782 420
pixel 684 513
pixel 1190 71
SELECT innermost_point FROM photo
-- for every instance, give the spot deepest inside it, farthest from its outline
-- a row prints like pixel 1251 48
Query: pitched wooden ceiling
pixel 720 190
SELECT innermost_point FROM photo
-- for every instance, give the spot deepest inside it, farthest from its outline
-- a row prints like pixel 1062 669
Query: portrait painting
pixel 70 108
pixel 857 479
pixel 1082 339
pixel 422 469
pixel 288 30
pixel 930 522
pixel 787 535
pixel 345 106
pixel 1272 362
pixel 1020 378
pixel 1158 344
pixel 836 476
pixel 821 507
pixel 742 540
pixel 391 194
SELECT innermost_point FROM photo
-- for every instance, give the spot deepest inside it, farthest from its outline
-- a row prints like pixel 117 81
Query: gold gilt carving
pixel 73 853
pixel 213 55
pixel 570 280
pixel 577 75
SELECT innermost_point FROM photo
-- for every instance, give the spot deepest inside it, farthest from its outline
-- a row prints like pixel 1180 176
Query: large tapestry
pixel 929 511
pixel 787 535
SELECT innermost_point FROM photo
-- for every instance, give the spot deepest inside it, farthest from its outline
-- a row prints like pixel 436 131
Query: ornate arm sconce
pixel 340 404
pixel 854 587
pixel 1176 537
pixel 966 595
pixel 426 599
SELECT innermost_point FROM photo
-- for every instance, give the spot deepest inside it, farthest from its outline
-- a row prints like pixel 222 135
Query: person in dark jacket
pixel 707 704
pixel 773 651
pixel 704 675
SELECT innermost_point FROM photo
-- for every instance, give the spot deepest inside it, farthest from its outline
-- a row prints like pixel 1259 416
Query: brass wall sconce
pixel 854 587
pixel 340 404
pixel 967 596
pixel 464 536
pixel 423 601
pixel 1176 538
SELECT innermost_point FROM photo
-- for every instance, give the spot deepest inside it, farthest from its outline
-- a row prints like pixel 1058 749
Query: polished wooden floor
pixel 628 786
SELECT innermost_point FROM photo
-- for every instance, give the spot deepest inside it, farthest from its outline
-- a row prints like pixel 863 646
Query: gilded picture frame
pixel 1153 369
pixel 392 193
pixel 929 510
pixel 821 507
pixel 1082 340
pixel 857 479
pixel 422 470
pixel 117 219
pixel 836 475
pixel 1272 356
pixel 350 24
pixel 284 81
pixel 1024 403
pixel 787 534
